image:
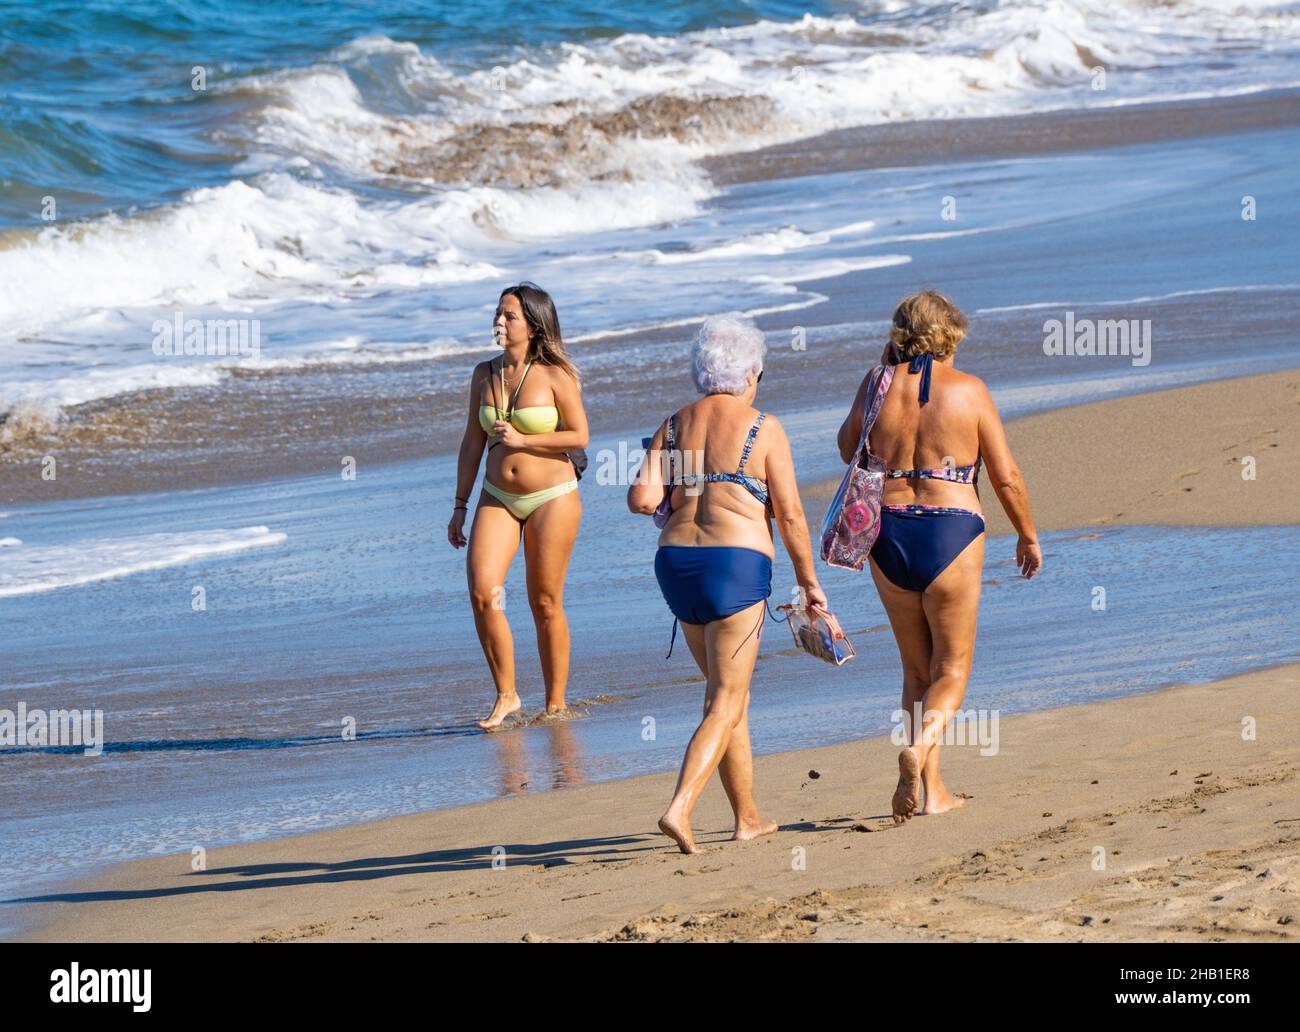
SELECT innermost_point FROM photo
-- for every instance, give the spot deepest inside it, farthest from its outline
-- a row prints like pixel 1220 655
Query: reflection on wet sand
pixel 564 766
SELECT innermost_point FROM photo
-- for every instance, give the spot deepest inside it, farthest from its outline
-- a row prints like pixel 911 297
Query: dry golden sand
pixel 1169 457
pixel 1200 825
pixel 1172 457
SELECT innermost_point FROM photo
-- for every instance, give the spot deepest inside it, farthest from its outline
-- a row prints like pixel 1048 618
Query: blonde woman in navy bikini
pixel 935 428
pixel 525 409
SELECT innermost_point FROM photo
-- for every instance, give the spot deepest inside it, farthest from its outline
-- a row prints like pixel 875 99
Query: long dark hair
pixel 545 345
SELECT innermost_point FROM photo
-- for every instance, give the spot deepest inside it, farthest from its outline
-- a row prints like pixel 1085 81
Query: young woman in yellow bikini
pixel 525 408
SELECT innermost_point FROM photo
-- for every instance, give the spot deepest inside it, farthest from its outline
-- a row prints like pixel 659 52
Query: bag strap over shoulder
pixel 884 376
pixel 670 439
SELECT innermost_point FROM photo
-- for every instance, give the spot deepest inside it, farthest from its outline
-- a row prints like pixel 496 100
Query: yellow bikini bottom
pixel 522 506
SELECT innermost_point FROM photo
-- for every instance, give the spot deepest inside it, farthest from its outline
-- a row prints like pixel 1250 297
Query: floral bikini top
pixel 957 474
pixel 754 485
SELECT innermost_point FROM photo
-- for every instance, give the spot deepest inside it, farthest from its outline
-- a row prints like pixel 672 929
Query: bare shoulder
pixel 557 377
pixel 970 387
pixel 771 428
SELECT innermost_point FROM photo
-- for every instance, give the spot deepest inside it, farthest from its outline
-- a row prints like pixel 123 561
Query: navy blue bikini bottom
pixel 917 543
pixel 706 583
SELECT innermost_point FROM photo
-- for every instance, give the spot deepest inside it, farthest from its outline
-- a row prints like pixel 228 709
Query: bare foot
pixel 746 830
pixel 940 800
pixel 909 785
pixel 505 705
pixel 554 709
pixel 679 831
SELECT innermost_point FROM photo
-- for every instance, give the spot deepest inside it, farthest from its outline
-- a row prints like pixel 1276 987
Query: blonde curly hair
pixel 927 321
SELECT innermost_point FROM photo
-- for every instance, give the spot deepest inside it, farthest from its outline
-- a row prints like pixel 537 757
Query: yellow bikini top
pixel 531 419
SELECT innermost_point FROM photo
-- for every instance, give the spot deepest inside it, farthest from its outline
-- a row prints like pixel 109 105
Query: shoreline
pixel 994 137
pixel 1095 484
pixel 1123 475
pixel 261 426
pixel 1194 820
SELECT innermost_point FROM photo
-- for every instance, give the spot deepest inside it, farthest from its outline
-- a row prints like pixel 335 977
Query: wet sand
pixel 906 144
pixel 1147 818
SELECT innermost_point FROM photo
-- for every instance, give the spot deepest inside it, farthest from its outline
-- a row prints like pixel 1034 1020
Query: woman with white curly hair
pixel 716 472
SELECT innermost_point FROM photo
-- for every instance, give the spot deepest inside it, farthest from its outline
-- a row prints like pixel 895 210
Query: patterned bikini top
pixel 956 474
pixel 754 485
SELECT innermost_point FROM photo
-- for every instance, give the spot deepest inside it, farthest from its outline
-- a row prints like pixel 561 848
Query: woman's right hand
pixel 456 529
pixel 1029 557
pixel 814 596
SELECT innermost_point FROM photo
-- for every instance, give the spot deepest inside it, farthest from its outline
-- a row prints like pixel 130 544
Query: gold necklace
pixel 504 382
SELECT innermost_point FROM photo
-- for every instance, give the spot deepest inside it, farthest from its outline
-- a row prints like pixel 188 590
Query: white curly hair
pixel 727 349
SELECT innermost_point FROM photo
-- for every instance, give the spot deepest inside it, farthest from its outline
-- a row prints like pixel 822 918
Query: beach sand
pixel 1168 457
pixel 1152 817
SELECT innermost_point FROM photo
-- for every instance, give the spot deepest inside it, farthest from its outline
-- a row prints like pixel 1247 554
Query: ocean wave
pixel 36 406
pixel 828 268
pixel 278 238
pixel 383 168
pixel 638 106
pixel 695 319
pixel 34 569
pixel 588 137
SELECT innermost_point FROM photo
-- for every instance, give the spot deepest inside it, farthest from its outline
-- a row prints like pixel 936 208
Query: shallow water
pixel 226 724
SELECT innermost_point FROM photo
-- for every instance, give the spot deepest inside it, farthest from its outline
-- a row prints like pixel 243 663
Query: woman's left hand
pixel 507 434
pixel 1029 557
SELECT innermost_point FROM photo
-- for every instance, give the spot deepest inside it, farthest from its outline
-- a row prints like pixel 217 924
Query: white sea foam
pixel 37 403
pixel 355 191
pixel 32 569
pixel 1144 299
pixel 240 241
pixel 691 320
pixel 816 73
pixel 830 267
